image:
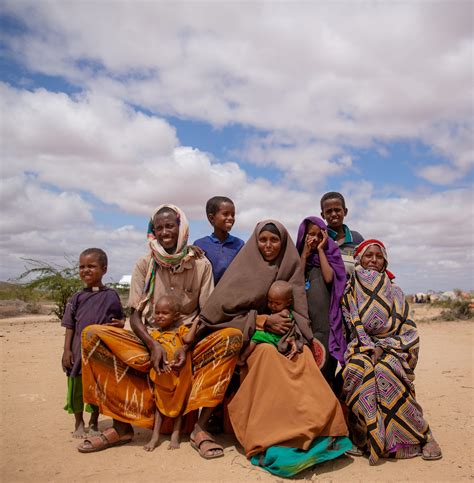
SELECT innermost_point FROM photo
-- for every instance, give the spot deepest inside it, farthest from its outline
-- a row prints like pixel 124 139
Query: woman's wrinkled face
pixel 166 228
pixel 373 259
pixel 269 245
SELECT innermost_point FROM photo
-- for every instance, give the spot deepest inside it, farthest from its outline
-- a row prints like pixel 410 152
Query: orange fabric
pixel 283 402
pixel 115 367
pixel 214 359
pixel 171 390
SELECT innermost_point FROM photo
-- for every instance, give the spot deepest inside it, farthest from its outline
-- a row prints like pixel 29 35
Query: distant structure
pixel 124 282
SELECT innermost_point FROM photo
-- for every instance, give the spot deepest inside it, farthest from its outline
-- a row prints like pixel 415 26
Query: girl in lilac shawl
pixel 325 281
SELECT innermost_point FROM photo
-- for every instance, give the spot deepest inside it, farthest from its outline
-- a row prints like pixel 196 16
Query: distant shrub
pixel 60 282
pixel 10 291
pixel 456 310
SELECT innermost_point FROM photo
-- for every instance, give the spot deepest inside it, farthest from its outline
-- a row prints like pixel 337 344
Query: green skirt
pixel 74 401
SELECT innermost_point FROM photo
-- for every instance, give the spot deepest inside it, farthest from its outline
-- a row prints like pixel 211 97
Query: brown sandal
pixel 204 438
pixel 106 439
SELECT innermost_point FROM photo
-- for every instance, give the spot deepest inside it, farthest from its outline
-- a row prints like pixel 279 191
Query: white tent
pixel 125 281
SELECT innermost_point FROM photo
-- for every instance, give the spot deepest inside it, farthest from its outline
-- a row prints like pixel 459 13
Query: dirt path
pixel 36 444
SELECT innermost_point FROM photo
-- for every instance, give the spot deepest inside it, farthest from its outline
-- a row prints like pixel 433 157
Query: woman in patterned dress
pixel 385 419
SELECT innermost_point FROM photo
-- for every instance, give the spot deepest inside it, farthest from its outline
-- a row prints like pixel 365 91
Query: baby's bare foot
pixel 174 443
pixel 80 431
pixel 151 445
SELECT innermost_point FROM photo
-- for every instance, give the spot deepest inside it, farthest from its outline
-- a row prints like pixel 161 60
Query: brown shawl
pixel 241 293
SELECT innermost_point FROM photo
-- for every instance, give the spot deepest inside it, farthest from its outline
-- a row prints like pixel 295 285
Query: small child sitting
pixel 172 386
pixel 220 247
pixel 333 210
pixel 279 300
pixel 95 304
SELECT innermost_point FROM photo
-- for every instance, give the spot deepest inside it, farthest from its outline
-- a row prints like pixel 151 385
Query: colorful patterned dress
pixel 385 418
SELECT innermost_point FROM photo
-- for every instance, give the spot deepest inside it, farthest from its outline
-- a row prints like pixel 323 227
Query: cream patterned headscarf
pixel 161 258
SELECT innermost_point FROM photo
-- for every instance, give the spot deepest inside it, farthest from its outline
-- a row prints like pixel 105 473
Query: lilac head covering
pixel 337 343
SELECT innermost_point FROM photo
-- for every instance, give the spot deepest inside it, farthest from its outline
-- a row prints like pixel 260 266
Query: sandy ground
pixel 36 442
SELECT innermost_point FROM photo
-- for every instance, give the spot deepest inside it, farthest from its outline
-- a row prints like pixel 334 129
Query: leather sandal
pixel 106 439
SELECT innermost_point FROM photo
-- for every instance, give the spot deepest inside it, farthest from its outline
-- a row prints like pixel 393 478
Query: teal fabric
pixel 286 462
pixel 347 234
pixel 260 336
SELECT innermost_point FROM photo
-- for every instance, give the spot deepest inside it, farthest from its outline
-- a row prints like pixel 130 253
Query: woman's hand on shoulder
pixel 279 323
pixel 198 251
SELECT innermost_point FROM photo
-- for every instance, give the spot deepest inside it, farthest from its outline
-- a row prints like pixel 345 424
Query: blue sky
pixel 104 120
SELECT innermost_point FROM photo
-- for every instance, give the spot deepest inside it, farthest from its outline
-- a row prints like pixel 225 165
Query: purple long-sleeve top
pixel 89 307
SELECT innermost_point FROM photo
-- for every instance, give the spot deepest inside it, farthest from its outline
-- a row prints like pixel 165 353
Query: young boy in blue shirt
pixel 333 211
pixel 220 247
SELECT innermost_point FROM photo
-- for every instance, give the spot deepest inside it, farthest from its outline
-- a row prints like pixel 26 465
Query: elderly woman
pixel 284 413
pixel 385 418
pixel 116 362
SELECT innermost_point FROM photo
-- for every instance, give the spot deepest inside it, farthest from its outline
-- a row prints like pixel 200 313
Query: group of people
pixel 307 348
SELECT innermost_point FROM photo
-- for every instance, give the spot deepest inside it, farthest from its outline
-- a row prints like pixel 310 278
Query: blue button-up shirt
pixel 220 254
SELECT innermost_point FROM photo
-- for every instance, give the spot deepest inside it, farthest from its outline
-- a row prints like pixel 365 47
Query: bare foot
pixel 80 430
pixel 93 431
pixel 151 445
pixel 174 442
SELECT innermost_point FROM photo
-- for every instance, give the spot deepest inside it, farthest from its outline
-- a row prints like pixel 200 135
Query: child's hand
pixel 284 313
pixel 117 323
pixel 324 241
pixel 309 245
pixel 179 358
pixel 293 349
pixel 67 360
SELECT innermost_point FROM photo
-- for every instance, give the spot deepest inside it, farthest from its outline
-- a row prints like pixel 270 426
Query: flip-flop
pixel 201 438
pixel 354 451
pixel 437 455
pixel 106 439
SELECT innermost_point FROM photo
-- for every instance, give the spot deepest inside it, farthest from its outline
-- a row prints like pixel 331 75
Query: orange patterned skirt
pixel 116 366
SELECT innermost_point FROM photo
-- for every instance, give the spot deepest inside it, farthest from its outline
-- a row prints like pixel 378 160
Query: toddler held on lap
pixel 173 382
pixel 279 300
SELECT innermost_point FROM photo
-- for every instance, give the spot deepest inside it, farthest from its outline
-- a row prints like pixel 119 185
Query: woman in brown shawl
pixel 282 405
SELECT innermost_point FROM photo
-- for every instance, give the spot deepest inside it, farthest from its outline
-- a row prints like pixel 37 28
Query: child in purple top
pixel 95 304
pixel 220 247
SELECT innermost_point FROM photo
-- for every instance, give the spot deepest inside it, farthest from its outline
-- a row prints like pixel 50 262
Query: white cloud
pixel 341 73
pixel 25 205
pixel 429 236
pixel 61 245
pixel 316 79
